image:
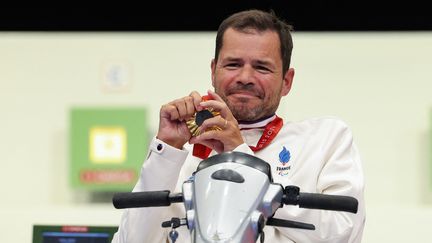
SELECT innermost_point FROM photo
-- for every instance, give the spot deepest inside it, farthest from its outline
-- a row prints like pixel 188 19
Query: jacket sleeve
pixel 160 171
pixel 339 173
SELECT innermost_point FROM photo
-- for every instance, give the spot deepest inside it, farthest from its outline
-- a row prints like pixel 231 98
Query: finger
pixel 190 107
pixel 169 111
pixel 219 106
pixel 214 144
pixel 215 96
pixel 181 108
pixel 225 124
pixel 196 100
pixel 216 121
pixel 209 135
pixel 180 105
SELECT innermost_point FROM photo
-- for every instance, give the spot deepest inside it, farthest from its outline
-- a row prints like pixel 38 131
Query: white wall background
pixel 379 83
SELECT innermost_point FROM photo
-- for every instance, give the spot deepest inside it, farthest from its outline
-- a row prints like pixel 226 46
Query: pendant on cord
pixel 199 117
pixel 197 120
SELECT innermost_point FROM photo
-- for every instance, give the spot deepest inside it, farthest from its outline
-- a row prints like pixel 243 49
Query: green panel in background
pixel 107 147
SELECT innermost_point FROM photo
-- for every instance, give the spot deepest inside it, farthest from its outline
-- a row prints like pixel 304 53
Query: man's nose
pixel 246 75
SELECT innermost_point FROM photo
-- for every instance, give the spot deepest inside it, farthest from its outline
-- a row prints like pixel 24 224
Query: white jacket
pixel 323 159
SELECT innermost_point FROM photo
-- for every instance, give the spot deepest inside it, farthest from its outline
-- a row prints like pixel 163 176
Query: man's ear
pixel 213 69
pixel 287 81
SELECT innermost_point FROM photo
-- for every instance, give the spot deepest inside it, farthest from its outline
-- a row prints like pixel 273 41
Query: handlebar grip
pixel 141 199
pixel 328 202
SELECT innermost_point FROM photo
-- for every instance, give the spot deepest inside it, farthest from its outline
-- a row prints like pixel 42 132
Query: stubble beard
pixel 242 111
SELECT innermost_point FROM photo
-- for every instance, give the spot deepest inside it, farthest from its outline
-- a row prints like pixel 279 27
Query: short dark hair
pixel 261 21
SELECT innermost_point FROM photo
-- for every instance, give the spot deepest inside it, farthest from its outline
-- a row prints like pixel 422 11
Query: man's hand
pixel 172 119
pixel 226 139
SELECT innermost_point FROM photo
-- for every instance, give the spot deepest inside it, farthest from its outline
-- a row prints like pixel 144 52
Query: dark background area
pixel 206 16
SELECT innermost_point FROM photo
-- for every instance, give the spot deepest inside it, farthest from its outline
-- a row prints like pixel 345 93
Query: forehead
pixel 264 44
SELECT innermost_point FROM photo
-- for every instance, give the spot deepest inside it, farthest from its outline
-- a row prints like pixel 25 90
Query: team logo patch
pixel 284 158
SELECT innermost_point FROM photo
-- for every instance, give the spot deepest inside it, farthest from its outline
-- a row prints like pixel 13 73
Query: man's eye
pixel 232 65
pixel 262 69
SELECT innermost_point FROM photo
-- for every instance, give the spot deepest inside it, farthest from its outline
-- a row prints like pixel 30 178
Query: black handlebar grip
pixel 141 199
pixel 328 202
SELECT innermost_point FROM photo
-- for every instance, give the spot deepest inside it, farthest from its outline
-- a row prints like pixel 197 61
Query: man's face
pixel 248 74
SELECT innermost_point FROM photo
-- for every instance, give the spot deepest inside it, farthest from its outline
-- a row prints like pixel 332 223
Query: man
pixel 250 73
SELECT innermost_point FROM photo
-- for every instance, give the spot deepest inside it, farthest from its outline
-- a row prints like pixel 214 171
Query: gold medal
pixel 197 120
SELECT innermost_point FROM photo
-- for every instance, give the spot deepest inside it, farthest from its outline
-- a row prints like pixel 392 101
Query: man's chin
pixel 245 114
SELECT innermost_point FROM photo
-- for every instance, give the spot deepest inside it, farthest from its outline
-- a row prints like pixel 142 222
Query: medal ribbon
pixel 270 132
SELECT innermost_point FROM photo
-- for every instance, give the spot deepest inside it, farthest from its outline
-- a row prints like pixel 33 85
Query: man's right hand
pixel 173 116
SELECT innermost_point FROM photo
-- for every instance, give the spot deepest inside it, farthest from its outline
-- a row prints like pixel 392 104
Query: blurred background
pixel 369 65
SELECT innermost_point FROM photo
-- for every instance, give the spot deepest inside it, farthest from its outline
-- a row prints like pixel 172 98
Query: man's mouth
pixel 245 94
